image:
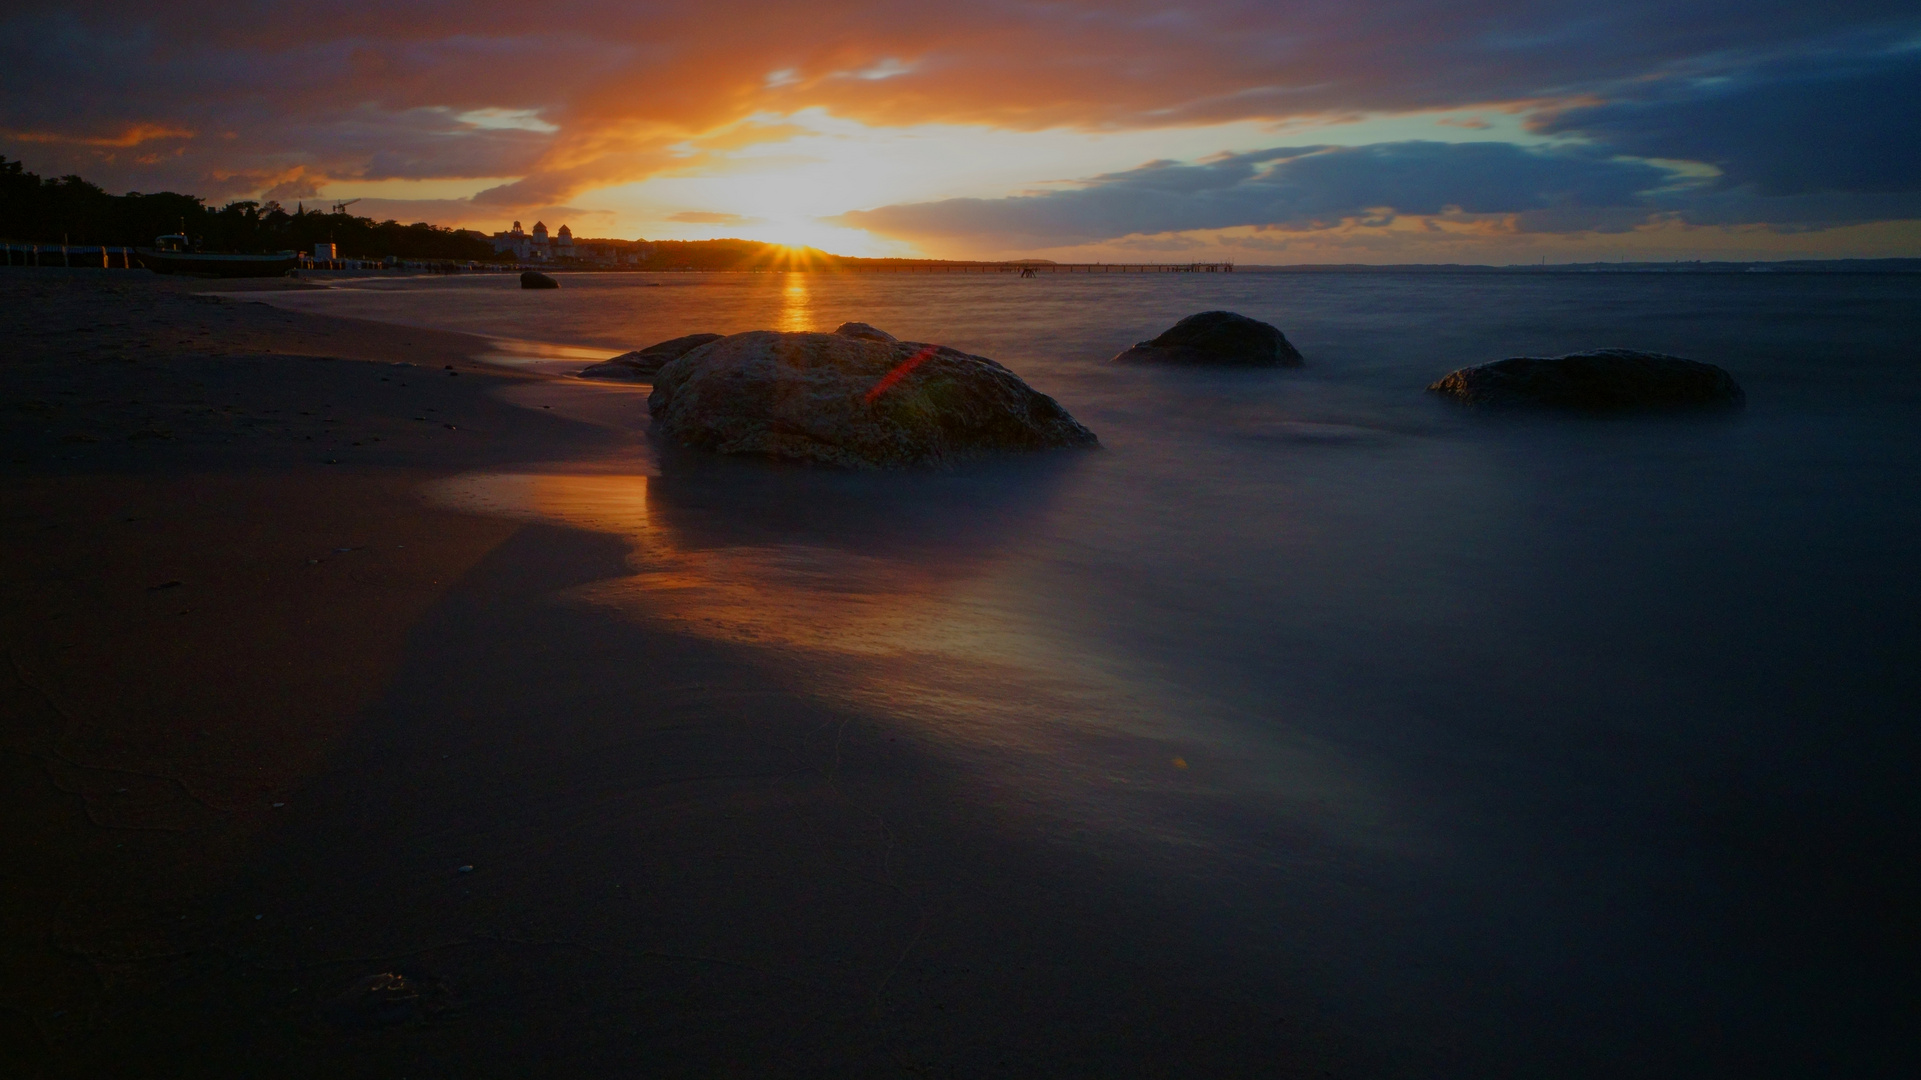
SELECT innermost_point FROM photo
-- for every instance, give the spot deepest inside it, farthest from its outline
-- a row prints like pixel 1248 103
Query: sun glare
pixel 796 304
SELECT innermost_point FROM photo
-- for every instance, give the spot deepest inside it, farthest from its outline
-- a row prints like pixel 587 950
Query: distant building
pixel 514 242
pixel 536 246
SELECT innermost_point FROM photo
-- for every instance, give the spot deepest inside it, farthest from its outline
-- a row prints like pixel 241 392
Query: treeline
pixel 71 210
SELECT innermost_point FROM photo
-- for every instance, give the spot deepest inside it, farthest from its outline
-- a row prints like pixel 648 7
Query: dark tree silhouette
pixel 71 210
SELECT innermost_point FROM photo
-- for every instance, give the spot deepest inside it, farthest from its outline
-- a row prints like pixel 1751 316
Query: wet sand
pixel 265 702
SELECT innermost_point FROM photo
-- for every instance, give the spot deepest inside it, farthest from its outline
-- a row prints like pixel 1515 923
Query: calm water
pixel 1588 744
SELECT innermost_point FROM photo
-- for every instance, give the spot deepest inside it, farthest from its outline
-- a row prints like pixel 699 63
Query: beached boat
pixel 169 255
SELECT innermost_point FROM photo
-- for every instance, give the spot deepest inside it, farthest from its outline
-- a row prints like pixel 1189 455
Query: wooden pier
pixel 1032 269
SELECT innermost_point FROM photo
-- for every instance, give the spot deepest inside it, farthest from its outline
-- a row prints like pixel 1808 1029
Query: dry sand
pixel 263 702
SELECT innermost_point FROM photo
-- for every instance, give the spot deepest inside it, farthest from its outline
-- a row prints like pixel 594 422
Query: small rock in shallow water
pixel 852 402
pixel 1604 379
pixel 534 279
pixel 643 363
pixel 863 332
pixel 1217 338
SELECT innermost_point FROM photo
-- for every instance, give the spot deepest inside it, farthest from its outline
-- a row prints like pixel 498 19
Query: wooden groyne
pixel 69 255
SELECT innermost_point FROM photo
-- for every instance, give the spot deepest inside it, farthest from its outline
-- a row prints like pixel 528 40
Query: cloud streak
pixel 1297 188
pixel 1833 122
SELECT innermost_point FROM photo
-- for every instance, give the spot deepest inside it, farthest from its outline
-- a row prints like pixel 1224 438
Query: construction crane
pixel 341 207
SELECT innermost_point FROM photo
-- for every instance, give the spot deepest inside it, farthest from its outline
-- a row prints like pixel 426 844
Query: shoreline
pixel 265 700
pixel 1230 753
pixel 186 375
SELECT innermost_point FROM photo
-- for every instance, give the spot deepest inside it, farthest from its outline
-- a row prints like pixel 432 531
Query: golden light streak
pixel 796 303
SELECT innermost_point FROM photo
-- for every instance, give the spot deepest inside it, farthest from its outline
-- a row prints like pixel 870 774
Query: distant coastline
pixel 1780 266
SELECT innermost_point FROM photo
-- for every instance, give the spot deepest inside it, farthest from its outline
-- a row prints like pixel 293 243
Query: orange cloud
pixel 131 135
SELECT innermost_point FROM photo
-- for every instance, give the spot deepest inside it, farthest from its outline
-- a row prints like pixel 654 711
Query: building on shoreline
pixel 536 246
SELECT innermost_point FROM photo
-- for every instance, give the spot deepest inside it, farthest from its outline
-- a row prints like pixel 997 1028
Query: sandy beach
pixel 265 703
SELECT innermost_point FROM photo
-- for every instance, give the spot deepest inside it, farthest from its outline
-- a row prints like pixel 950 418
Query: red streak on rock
pixel 896 375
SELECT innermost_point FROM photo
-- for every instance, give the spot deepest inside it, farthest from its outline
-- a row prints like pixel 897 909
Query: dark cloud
pixel 1300 188
pixel 1837 121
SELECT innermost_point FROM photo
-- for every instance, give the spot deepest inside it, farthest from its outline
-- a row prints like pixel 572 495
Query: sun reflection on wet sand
pixel 940 638
pixel 540 355
pixel 796 304
pixel 809 596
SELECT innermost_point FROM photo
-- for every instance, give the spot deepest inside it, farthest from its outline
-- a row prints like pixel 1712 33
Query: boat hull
pixel 203 265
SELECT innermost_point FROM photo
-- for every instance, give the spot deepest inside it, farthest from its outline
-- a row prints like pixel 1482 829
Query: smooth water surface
pixel 1569 744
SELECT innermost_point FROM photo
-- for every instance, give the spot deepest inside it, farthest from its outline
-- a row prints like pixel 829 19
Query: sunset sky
pixel 1323 131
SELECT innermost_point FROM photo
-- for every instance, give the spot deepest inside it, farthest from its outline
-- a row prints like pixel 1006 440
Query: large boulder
pixel 643 363
pixel 852 402
pixel 1604 379
pixel 534 279
pixel 1218 338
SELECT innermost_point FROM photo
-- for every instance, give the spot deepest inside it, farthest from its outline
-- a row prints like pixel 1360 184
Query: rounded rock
pixel 1219 338
pixel 643 363
pixel 1600 380
pixel 863 331
pixel 852 402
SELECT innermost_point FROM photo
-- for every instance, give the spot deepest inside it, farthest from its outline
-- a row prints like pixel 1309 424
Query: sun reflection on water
pixel 801 595
pixel 796 303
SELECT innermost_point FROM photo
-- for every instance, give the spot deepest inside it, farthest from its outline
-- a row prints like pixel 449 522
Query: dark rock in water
pixel 1602 379
pixel 863 331
pixel 852 402
pixel 534 279
pixel 1217 337
pixel 643 363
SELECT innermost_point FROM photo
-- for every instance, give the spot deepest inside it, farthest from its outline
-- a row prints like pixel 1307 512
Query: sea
pixel 1591 743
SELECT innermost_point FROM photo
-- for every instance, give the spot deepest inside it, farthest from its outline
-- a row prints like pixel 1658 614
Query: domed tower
pixel 565 241
pixel 517 231
pixel 540 232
